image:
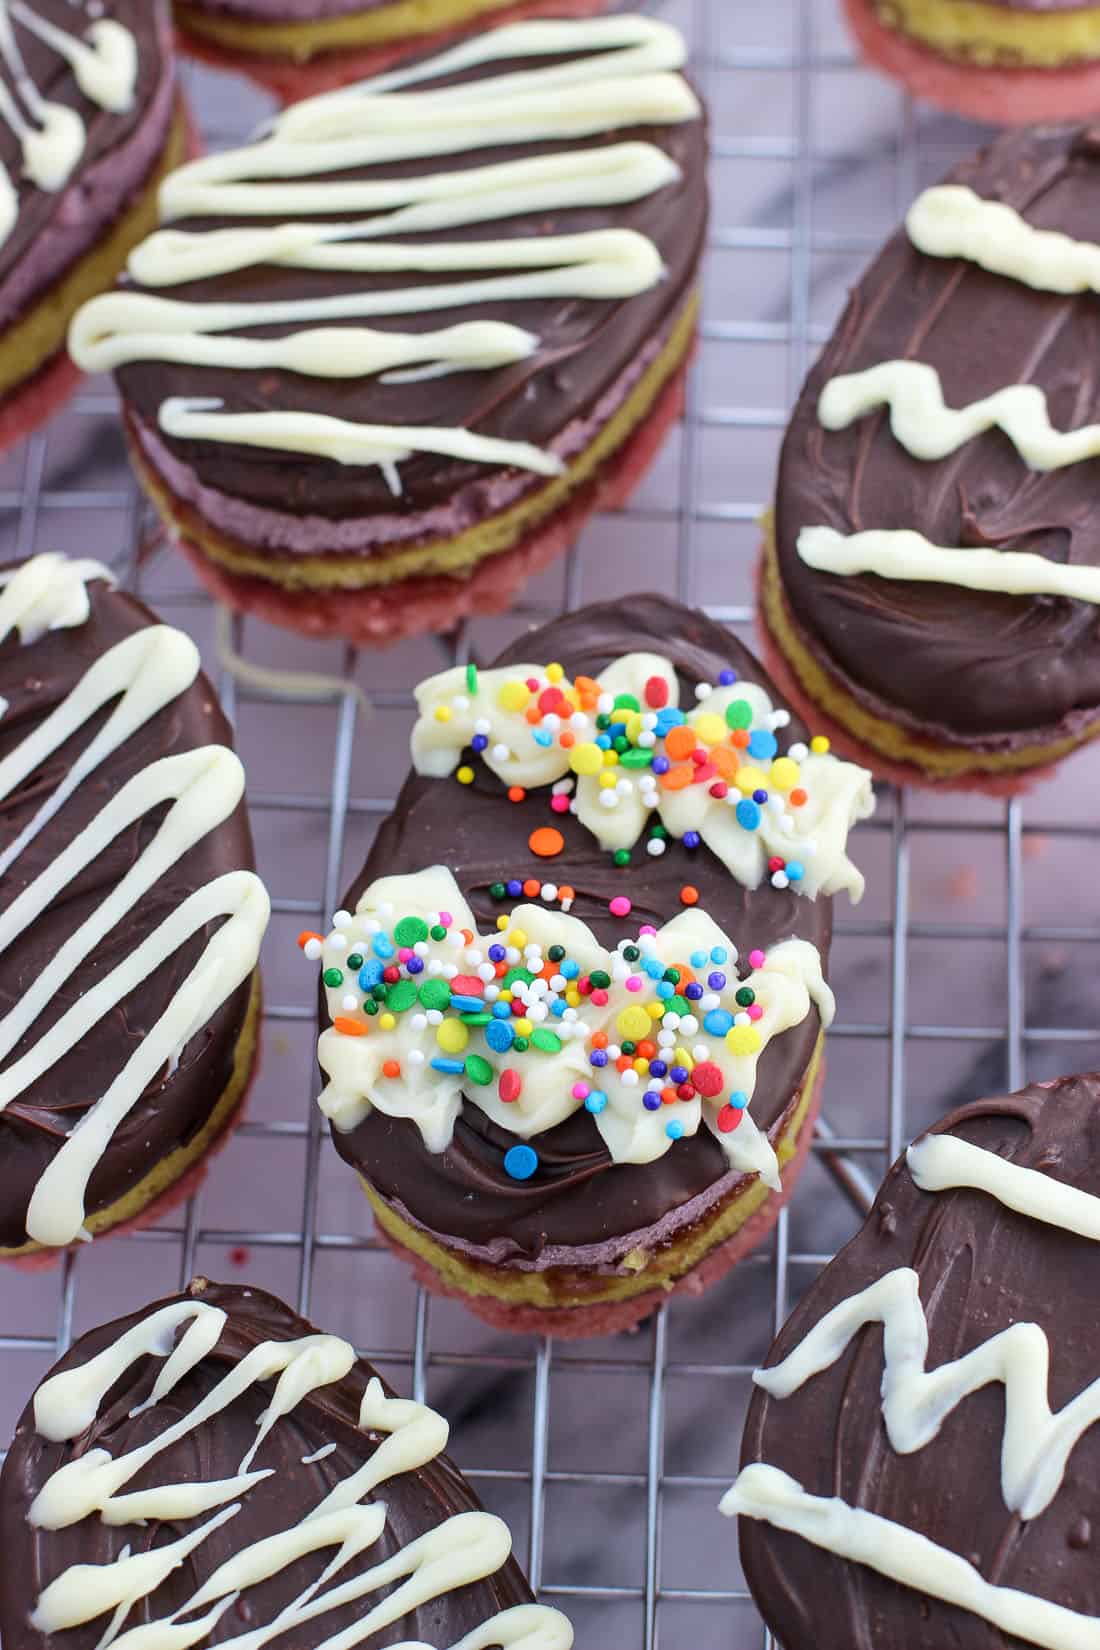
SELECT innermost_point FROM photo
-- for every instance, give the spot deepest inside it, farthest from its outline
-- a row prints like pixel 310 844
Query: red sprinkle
pixel 656 692
pixel 776 863
pixel 728 1119
pixel 686 1091
pixel 467 985
pixel 699 756
pixel 510 1085
pixel 707 1077
pixel 719 789
pixel 391 975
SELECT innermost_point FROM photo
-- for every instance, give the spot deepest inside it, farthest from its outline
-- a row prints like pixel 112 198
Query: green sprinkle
pixel 478 1070
pixel 677 1005
pixel 471 678
pixel 497 890
pixel 438 932
pixel 739 714
pixel 626 701
pixel 672 975
pixel 620 743
pixel 603 721
pixel 600 979
pixel 628 1047
pixel 480 1019
pixel 380 991
pixel 402 996
pixel 520 1044
pixel 636 758
pixel 556 953
pixel 355 961
pixel 631 953
pixel 548 1041
pixel 659 830
pixel 434 994
pixel 621 856
pixel 515 974
pixel 411 931
pixel 370 1006
pixel 333 977
pixel 746 996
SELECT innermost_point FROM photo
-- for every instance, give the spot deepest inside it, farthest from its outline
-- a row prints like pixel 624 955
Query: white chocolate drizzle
pixel 904 554
pixel 1036 1442
pixel 813 835
pixel 139 676
pixel 557 1077
pixel 619 72
pixel 104 62
pixel 928 429
pixel 951 221
pixel 462 1549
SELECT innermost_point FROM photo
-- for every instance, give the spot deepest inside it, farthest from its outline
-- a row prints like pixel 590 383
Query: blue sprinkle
pixel 760 796
pixel 370 975
pixel 726 678
pixel 748 814
pixel 497 953
pixel 762 745
pixel 739 1099
pixel 617 730
pixel 598 1057
pixel 718 955
pixel 543 737
pixel 651 1101
pixel 716 981
pixel 558 1007
pixel 717 1022
pixel 479 742
pixel 499 1036
pixel 442 1063
pixel 678 1074
pixel 521 1162
pixel 603 740
pixel 795 870
pixel 693 992
pixel 660 764
pixel 503 1011
pixel 697 959
pixel 467 1005
pixel 658 1068
pixel 383 946
pixel 653 967
pixel 515 888
pixel 596 1101
pixel 569 969
pixel 415 965
pixel 675 1129
pixel 665 989
pixel 692 839
pixel 668 717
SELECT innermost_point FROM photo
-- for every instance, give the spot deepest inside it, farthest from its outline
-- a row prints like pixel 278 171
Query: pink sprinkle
pixel 756 959
pixel 755 1011
pixel 633 982
pixel 405 952
pixel 560 804
pixel 510 1085
pixel 620 906
pixel 445 919
pixel 647 928
pixel 581 1091
pixel 532 683
pixel 599 997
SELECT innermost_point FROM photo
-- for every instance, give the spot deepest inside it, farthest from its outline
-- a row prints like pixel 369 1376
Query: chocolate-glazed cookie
pixel 335 1518
pixel 603 1224
pixel 130 917
pixel 941 681
pixel 943 1503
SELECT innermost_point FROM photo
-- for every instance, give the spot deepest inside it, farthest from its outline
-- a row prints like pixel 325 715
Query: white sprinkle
pixel 312 949
pixel 460 702
pixel 435 1017
pixel 482 725
pixel 552 722
pixel 500 753
pixel 418 1022
pixel 349 1004
pixel 486 972
pixel 704 690
pixel 672 1021
pixel 609 799
pixel 435 968
pixel 647 740
pixel 709 1001
pixel 781 719
pixel 561 787
pixel 549 892
pixel 341 919
pixel 700 1052
pixel 655 846
pixel 780 879
pixel 741 1019
pixel 649 720
pixel 689 1025
pixel 605 704
pixel 578 721
pixel 337 942
pixel 373 926
pixel 798 752
pixel 629 1078
pixel 492 992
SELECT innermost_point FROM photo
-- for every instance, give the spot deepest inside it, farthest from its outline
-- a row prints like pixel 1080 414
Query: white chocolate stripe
pixel 889 1548
pixel 904 554
pixel 926 427
pixel 49 592
pixel 951 221
pixel 618 74
pixel 943 1162
pixel 462 1549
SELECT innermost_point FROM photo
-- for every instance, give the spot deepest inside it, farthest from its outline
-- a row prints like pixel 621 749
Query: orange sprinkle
pixel 599 1039
pixel 624 1062
pixel 349 1028
pixel 689 895
pixel 546 842
pixel 798 797
pixel 501 970
pixel 565 892
pixel 646 1049
pixel 679 777
pixel 516 793
pixel 467 935
pixel 534 715
pixel 567 739
pixel 740 738
pixel 531 888
pixel 686 976
pixel 669 1096
pixel 679 742
pixel 306 935
pixel 391 1068
pixel 723 761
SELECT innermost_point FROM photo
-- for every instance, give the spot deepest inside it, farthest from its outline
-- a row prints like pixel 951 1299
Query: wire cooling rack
pixel 967 968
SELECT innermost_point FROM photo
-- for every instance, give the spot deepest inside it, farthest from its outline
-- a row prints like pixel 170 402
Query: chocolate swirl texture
pixel 170 762
pixel 966 666
pixel 580 1196
pixel 340 1421
pixel 981 1268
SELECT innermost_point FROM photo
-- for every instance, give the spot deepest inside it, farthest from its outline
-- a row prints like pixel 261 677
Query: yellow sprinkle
pixel 572 996
pixel 634 726
pixel 452 1036
pixel 819 744
pixel 518 938
pixel 443 713
pixel 554 673
pixel 655 1010
pixel 748 780
pixel 742 1039
pixel 784 774
pixel 683 1058
pixel 709 728
pixel 586 758
pixel 505 995
pixel 641 1066
pixel 607 780
pixel 610 759
pixel 502 923
pixel 523 1028
pixel 387 1022
pixel 633 1023
pixel 465 776
pixel 513 694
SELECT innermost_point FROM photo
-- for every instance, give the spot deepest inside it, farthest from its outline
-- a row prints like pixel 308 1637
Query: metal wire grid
pixel 71 483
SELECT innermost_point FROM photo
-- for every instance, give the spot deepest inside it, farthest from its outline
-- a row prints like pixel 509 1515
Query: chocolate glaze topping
pixel 981 1267
pixel 585 345
pixel 579 1195
pixel 965 665
pixel 34 680
pixel 415 1502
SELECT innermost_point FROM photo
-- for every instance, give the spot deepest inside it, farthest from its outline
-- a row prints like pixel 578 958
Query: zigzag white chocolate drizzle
pixel 904 554
pixel 140 675
pixel 1036 1442
pixel 104 61
pixel 462 1549
pixel 925 426
pixel 444 1028
pixel 619 74
pixel 735 728
pixel 951 221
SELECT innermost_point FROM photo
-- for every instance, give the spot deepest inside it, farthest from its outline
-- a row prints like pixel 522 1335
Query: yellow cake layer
pixel 164 1174
pixel 938 761
pixel 403 20
pixel 39 334
pixel 453 556
pixel 659 1269
pixel 992 36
